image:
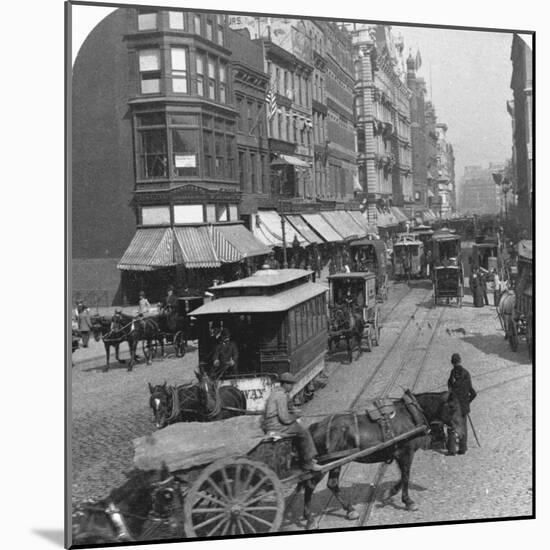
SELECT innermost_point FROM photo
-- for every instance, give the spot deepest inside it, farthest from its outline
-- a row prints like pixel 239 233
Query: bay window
pixel 154 157
pixel 223 82
pixel 185 152
pixel 147 20
pixel 199 61
pixel 179 69
pixel 211 78
pixel 176 20
pixel 149 71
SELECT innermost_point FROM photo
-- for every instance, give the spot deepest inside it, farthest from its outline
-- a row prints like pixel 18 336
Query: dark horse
pixel 144 507
pixel 101 329
pixel 348 431
pixel 203 401
pixel 132 330
pixel 348 326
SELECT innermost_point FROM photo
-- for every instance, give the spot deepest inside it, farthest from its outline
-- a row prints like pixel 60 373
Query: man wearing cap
pixel 226 353
pixel 278 418
pixel 460 385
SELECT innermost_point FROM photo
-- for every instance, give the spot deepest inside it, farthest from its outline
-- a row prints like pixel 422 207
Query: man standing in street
pixel 460 385
pixel 84 324
pixel 278 418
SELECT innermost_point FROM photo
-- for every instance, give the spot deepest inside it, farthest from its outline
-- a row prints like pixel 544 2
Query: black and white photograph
pixel 299 273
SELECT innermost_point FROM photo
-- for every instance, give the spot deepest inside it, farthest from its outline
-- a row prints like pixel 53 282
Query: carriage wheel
pixel 234 496
pixel 179 344
pixel 513 335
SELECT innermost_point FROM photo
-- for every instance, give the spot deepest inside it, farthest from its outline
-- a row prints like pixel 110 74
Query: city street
pixel 493 480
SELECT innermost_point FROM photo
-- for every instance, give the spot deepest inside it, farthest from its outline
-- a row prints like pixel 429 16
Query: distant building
pixel 478 192
pixel 521 111
pixel 382 120
pixel 445 172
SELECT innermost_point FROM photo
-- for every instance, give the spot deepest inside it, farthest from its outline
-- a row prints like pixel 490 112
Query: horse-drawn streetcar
pixel 407 256
pixel 370 255
pixel 353 311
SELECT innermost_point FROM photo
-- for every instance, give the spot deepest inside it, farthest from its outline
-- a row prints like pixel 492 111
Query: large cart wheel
pixel 179 344
pixel 234 496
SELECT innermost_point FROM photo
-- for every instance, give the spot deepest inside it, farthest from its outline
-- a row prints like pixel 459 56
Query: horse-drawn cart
pixel 354 313
pixel 229 478
pixel 448 284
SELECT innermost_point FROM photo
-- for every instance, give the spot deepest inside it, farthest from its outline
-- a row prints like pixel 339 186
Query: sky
pixel 467 75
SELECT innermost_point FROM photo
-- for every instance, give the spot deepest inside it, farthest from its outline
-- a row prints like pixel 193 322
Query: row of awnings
pixel 200 246
pixel 315 228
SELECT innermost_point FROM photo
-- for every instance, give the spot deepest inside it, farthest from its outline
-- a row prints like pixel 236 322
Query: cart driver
pixel 279 417
pixel 226 354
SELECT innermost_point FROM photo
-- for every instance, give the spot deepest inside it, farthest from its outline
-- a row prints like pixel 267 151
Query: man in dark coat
pixel 460 385
pixel 171 310
pixel 84 324
pixel 226 354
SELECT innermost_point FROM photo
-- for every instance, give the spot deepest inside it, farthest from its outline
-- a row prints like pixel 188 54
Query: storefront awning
pixel 343 224
pixel 399 214
pixel 284 160
pixel 385 220
pixel 360 220
pixel 322 227
pixel 235 242
pixel 196 247
pixel 268 229
pixel 525 249
pixel 151 248
pixel 303 228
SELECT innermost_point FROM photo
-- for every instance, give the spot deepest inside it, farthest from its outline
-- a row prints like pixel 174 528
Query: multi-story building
pixel 431 154
pixel 154 143
pixel 521 110
pixel 445 172
pixel 382 120
pixel 478 192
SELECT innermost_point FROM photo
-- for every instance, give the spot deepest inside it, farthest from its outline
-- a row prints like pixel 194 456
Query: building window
pixel 188 213
pixel 176 20
pixel 222 214
pixel 253 171
pixel 149 71
pixel 154 158
pixel 211 78
pixel 197 23
pixel 209 30
pixel 185 152
pixel 147 20
pixel 155 215
pixel 199 61
pixel 208 148
pixel 179 69
pixel 249 116
pixel 277 79
pixel 223 82
pixel 220 156
pixel 230 155
pixel 220 33
pixel 241 170
pixel 233 212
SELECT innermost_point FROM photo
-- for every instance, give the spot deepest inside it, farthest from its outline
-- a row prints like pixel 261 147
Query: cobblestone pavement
pixel 494 480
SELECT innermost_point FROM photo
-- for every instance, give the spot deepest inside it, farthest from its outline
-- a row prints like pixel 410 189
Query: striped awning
pixel 302 227
pixel 196 247
pixel 235 242
pixel 150 248
pixel 399 215
pixel 343 224
pixel 322 227
pixel 269 230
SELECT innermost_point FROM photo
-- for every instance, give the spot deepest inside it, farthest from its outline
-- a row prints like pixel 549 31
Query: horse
pixel 346 325
pixel 101 329
pixel 147 502
pixel 506 310
pixel 203 401
pixel 349 431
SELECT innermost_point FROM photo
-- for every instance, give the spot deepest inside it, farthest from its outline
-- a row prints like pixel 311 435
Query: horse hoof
pixel 411 507
pixel 352 515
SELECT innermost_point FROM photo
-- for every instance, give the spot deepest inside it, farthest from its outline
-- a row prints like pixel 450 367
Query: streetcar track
pixel 370 379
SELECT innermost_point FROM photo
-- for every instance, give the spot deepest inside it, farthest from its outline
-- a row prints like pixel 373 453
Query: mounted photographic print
pixel 300 274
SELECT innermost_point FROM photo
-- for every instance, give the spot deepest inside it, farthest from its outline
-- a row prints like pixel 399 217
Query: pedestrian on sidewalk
pixel 84 325
pixel 460 385
pixel 496 287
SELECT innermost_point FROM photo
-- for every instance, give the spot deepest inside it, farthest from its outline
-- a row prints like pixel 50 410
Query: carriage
pixel 353 309
pixel 371 255
pixel 520 322
pixel 277 320
pixel 446 248
pixel 407 256
pixel 448 284
pixel 177 329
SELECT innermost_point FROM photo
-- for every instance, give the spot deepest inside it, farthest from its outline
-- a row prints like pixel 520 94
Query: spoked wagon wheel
pixel 179 344
pixel 234 496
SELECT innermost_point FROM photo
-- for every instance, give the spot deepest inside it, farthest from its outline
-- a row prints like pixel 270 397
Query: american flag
pixel 271 104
